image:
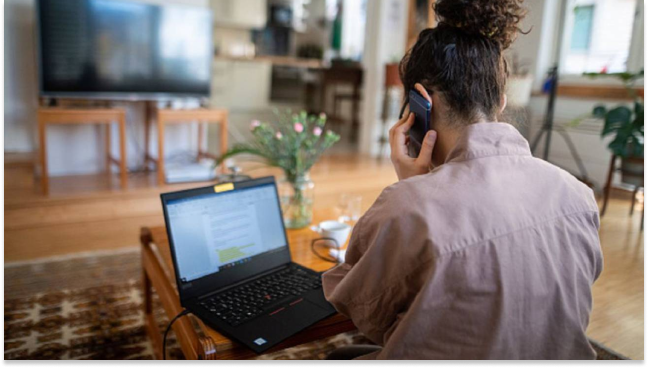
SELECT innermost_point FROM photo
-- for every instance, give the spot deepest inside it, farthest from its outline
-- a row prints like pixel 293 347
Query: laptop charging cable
pixel 183 313
pixel 324 243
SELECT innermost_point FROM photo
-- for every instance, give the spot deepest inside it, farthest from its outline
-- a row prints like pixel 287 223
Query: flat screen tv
pixel 119 49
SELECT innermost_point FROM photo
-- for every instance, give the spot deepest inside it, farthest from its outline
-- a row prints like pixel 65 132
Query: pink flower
pixel 322 115
pixel 299 127
pixel 278 135
pixel 255 124
pixel 317 131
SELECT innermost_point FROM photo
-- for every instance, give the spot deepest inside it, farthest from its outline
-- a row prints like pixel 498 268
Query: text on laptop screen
pixel 213 232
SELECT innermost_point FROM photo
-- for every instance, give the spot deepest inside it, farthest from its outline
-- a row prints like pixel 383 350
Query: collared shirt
pixel 491 255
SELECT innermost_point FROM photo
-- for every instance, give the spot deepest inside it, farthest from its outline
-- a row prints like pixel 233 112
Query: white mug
pixel 335 230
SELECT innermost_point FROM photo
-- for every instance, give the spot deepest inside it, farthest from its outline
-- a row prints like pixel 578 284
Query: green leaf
pixel 599 111
pixel 241 149
pixel 639 115
pixel 619 146
pixel 616 119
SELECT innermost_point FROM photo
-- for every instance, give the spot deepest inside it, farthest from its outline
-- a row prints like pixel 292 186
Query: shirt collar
pixel 489 139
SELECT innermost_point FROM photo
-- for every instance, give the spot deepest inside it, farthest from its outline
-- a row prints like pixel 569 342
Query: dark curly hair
pixel 462 56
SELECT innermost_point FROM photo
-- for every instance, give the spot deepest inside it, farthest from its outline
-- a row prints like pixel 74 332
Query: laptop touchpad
pixel 301 313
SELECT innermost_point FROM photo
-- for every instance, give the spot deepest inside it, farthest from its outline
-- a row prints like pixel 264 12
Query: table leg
pixel 108 146
pixel 122 152
pixel 223 139
pixel 207 348
pixel 42 131
pixel 201 133
pixel 148 114
pixel 160 158
pixel 355 121
pixel 309 97
pixel 150 323
pixel 608 186
pixel 633 200
pixel 323 88
pixel 149 318
pixel 185 332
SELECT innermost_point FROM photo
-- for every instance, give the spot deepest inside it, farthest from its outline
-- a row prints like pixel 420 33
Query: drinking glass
pixel 349 207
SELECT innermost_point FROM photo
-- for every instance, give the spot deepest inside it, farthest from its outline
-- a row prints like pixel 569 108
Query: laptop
pixel 233 266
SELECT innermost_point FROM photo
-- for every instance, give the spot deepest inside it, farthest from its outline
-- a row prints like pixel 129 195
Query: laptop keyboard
pixel 269 294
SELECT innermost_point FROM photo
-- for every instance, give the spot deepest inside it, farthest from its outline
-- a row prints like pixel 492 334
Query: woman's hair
pixel 462 56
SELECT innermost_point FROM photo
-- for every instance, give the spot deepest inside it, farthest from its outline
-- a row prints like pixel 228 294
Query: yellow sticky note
pixel 223 187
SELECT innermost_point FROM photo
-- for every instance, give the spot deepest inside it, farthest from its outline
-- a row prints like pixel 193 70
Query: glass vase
pixel 297 201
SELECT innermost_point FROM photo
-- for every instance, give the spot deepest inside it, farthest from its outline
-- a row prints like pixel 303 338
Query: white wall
pixel 385 39
pixel 71 149
pixel 537 46
pixel 20 82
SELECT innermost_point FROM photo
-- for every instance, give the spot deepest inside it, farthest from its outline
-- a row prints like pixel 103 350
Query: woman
pixel 480 251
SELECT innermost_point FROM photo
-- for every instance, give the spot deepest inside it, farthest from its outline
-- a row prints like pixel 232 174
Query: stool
pixel 608 187
pixel 202 116
pixel 83 116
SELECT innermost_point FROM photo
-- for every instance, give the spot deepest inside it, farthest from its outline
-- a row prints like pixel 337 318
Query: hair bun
pixel 494 19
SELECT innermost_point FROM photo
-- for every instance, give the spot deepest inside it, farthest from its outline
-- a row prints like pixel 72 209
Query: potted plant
pixel 626 125
pixel 293 143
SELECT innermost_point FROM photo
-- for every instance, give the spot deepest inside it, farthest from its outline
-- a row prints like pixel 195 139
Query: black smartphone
pixel 422 110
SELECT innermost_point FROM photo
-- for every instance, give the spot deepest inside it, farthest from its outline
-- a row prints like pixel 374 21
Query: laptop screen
pixel 220 232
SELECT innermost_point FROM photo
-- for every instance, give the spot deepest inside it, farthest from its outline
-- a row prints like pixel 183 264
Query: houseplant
pixel 626 125
pixel 293 143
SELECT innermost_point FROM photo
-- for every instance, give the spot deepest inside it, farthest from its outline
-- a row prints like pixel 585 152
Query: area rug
pixel 90 307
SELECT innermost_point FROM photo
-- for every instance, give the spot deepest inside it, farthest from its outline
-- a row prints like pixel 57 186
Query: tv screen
pixel 123 49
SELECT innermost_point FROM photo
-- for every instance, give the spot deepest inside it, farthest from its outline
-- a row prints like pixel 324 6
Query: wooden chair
pixel 201 116
pixel 107 116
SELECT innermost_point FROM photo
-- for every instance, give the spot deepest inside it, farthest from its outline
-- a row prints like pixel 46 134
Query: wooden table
pixel 199 341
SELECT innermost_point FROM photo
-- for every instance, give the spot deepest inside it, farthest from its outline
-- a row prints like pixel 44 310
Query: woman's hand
pixel 404 165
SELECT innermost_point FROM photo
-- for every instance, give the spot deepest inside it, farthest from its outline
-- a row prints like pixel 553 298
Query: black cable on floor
pixel 183 313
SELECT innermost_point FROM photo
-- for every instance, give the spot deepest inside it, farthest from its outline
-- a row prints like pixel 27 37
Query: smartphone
pixel 422 110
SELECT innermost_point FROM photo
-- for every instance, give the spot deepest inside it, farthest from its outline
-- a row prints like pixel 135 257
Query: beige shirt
pixel 489 256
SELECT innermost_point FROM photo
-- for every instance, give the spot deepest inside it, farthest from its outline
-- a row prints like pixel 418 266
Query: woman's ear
pixel 503 101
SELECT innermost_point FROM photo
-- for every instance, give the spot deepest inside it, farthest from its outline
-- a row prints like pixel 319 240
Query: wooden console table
pixel 104 116
pixel 199 341
pixel 202 116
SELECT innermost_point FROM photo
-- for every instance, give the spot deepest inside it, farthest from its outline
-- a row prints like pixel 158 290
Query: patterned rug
pixel 90 307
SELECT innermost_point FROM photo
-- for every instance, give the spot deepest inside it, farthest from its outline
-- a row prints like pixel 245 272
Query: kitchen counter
pixel 277 60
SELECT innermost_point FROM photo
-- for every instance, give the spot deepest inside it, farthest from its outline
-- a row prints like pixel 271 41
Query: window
pixel 598 36
pixel 582 32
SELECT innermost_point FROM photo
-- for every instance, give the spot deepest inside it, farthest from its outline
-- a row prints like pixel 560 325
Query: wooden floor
pixel 89 213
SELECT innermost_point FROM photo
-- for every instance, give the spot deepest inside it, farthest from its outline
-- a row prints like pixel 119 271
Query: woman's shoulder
pixel 404 197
